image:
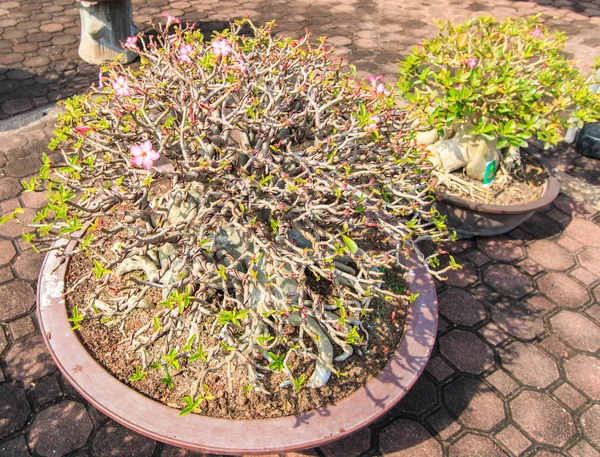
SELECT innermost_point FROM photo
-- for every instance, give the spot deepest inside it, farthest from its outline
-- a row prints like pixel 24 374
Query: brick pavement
pixel 39 38
pixel 516 369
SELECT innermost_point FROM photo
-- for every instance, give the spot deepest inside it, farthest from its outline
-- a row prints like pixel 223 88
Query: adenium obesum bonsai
pixel 278 162
pixel 494 85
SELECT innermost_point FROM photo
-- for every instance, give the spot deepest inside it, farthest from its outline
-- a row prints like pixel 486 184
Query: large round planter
pixel 234 437
pixel 471 219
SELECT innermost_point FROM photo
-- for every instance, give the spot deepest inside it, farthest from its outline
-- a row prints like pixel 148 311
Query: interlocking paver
pixel 460 307
pixel 529 365
pixel 514 440
pixel 467 352
pixel 584 373
pixel 564 291
pixel 518 319
pixel 14 409
pixel 507 280
pixel 550 255
pixel 473 403
pixel 17 298
pixel 406 438
pixel 542 418
pixel 569 396
pixel 590 422
pixel 47 434
pixel 114 439
pixel 470 445
pixel 352 446
pixel 29 360
pixel 589 260
pixel 577 330
pixel 500 248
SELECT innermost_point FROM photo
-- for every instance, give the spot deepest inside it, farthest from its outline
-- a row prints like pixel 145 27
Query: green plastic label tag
pixel 490 173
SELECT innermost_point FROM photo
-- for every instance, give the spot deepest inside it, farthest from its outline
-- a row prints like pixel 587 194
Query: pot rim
pixel 238 436
pixel 551 191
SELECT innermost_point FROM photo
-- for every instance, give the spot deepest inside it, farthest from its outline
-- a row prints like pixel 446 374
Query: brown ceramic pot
pixel 228 436
pixel 471 219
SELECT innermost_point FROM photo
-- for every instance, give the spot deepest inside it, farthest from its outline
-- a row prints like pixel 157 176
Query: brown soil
pixel 110 347
pixel 522 186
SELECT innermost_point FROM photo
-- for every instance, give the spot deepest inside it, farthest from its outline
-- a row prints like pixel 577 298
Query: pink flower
pixel 83 129
pixel 458 86
pixel 471 62
pixel 100 80
pixel 372 125
pixel 221 47
pixel 381 89
pixel 241 66
pixel 144 155
pixel 120 86
pixel 130 43
pixel 171 19
pixel 537 33
pixel 185 53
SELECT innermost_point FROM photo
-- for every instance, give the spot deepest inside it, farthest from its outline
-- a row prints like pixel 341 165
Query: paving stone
pixel 438 368
pixel 503 382
pixel 473 403
pixel 35 200
pixel 28 265
pixel 171 451
pixel 9 188
pixel 529 365
pixel 588 259
pixel 590 422
pixel 500 248
pixel 518 319
pixel 45 390
pixel 13 229
pixel 352 446
pixel 29 360
pixel 3 341
pixel 584 231
pixel 21 328
pixel 594 312
pixel 465 277
pixel 444 424
pixel 507 280
pixel 46 434
pixel 6 275
pixel 583 276
pixel 477 257
pixel 14 409
pixel 570 244
pixel 7 252
pixel 17 297
pixel 467 352
pixel 583 449
pixel 577 330
pixel 544 420
pixel 421 397
pixel 569 396
pixel 584 373
pixel 114 440
pixel 550 255
pixel 492 334
pixel 475 445
pixel 514 440
pixel 16 447
pixel 530 267
pixel 562 290
pixel 460 307
pixel 405 438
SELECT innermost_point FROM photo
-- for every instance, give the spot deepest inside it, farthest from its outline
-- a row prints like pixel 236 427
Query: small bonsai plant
pixel 494 86
pixel 277 161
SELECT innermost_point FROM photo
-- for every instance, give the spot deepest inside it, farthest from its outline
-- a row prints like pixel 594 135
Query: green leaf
pixel 350 244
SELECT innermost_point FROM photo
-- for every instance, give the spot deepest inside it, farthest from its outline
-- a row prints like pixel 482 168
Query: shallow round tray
pixel 238 436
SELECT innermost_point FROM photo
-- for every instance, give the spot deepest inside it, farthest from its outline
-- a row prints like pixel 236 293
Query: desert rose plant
pixel 496 85
pixel 277 161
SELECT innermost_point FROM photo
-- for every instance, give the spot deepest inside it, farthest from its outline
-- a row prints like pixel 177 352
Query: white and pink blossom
pixel 221 48
pixel 171 19
pixel 121 86
pixel 144 155
pixel 185 53
pixel 472 62
pixel 382 89
pixel 130 42
pixel 537 32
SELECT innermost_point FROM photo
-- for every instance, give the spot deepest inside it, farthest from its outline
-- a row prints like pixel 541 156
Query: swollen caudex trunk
pixel 163 266
pixel 463 150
